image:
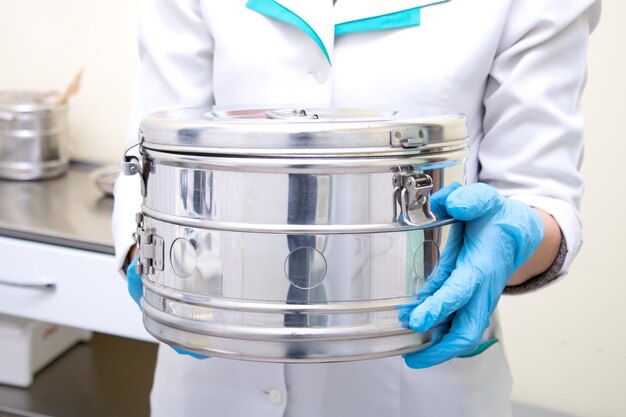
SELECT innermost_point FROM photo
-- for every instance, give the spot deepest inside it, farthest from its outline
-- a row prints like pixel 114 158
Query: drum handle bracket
pixel 131 164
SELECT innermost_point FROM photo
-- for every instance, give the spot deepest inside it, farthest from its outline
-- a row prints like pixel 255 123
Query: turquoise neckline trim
pixel 274 10
pixel 396 20
pixel 404 18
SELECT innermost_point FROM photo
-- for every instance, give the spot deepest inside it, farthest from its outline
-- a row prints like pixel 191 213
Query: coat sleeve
pixel 176 51
pixel 533 126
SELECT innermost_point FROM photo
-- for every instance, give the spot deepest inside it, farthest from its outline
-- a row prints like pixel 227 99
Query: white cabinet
pixel 87 290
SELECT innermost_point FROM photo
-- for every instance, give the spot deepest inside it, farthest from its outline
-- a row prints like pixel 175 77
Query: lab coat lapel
pixel 321 21
pixel 351 10
pixel 314 17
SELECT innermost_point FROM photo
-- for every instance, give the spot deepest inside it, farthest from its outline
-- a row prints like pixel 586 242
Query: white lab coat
pixel 515 68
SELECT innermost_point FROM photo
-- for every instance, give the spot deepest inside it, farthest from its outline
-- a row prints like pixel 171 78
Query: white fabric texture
pixel 516 69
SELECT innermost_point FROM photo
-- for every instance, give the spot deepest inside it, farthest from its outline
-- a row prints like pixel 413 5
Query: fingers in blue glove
pixel 518 222
pixel 500 234
pixel 135 286
pixel 453 294
pixel 438 200
pixel 477 262
pixel 447 263
pixel 473 201
pixel 186 352
pixel 463 337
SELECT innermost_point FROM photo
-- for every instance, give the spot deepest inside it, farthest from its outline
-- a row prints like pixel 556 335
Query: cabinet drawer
pixel 67 286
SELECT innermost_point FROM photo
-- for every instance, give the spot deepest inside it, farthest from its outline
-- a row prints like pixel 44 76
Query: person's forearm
pixel 545 254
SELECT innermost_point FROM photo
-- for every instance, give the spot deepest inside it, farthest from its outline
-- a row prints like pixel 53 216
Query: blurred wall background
pixel 566 344
pixel 44 43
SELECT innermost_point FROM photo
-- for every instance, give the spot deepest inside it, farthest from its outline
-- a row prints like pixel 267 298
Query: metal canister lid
pixel 24 101
pixel 304 131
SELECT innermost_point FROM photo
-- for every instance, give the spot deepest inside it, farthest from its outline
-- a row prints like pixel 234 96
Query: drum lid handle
pixel 131 164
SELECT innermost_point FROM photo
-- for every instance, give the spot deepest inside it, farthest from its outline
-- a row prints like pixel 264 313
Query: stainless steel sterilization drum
pixel 290 235
pixel 33 137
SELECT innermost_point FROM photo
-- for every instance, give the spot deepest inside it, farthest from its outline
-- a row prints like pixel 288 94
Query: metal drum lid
pixel 26 101
pixel 327 132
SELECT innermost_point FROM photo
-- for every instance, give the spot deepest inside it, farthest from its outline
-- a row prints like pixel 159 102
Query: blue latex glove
pixel 135 288
pixel 495 237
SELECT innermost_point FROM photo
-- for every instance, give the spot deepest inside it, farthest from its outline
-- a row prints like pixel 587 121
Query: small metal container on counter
pixel 291 235
pixel 33 137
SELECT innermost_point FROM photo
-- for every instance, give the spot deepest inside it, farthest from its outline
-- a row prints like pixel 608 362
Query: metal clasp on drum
pixel 412 199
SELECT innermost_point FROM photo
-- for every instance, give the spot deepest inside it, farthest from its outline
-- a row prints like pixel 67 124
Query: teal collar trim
pixel 274 10
pixel 404 18
pixel 396 20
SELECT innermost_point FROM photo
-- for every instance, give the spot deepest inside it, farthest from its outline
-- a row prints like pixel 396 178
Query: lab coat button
pixel 320 75
pixel 275 397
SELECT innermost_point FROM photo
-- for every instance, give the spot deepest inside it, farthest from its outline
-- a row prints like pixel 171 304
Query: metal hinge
pixel 150 248
pixel 412 198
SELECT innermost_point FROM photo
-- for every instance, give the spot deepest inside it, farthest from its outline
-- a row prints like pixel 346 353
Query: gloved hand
pixel 496 236
pixel 135 288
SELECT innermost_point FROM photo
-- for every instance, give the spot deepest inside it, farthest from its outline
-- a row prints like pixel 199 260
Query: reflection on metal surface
pixel 269 319
pixel 258 340
pixel 425 261
pixel 305 268
pixel 292 229
pixel 183 257
pixel 260 201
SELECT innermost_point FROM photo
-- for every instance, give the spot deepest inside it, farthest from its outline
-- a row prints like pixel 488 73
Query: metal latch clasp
pixel 150 248
pixel 412 198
